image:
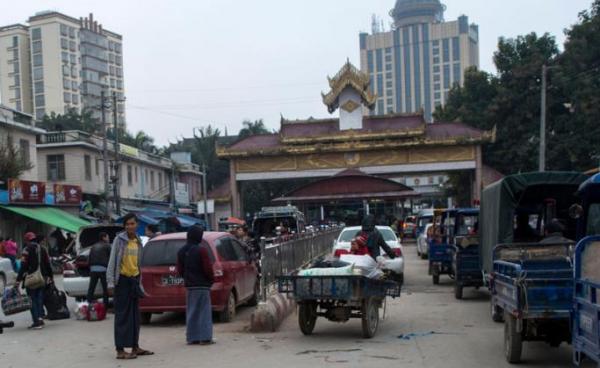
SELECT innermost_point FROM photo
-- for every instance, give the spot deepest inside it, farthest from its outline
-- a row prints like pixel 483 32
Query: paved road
pixel 463 336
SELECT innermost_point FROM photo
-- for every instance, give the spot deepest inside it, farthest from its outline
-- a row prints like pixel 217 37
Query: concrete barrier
pixel 269 315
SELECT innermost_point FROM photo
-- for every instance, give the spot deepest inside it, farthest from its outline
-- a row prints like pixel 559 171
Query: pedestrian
pixel 10 252
pixel 123 273
pixel 151 231
pixel 375 240
pixel 194 264
pixel 98 260
pixel 35 265
pixel 554 233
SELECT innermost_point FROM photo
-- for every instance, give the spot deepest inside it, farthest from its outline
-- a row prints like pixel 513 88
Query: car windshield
pixel 161 252
pixel 424 221
pixel 467 224
pixel 348 235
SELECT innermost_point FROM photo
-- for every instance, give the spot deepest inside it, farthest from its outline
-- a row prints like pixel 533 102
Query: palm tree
pixel 253 128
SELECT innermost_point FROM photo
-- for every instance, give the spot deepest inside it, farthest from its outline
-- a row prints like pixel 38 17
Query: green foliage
pixel 72 120
pixel 12 162
pixel 510 100
pixel 253 128
pixel 459 187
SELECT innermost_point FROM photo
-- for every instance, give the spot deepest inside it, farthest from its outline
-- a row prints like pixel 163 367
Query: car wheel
pixel 2 283
pixel 228 314
pixel 253 301
pixel 146 317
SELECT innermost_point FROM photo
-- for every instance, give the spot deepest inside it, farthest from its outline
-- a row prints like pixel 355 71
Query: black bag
pixel 55 302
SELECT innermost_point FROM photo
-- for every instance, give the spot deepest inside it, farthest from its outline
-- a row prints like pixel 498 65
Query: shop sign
pixel 26 192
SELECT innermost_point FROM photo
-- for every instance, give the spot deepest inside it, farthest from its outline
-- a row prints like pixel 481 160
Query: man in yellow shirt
pixel 123 274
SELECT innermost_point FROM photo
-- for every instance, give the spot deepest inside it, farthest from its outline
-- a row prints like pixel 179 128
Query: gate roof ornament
pixel 352 77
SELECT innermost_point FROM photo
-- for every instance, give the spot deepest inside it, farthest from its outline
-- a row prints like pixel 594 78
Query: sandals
pixel 125 355
pixel 142 352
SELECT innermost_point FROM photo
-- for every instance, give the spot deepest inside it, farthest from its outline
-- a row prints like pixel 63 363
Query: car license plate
pixel 171 280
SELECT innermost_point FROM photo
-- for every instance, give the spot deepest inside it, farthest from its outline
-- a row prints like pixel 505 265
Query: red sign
pixel 67 194
pixel 22 191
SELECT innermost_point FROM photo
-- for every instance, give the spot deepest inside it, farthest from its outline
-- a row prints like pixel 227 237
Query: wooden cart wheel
pixel 307 317
pixel 370 317
pixel 513 341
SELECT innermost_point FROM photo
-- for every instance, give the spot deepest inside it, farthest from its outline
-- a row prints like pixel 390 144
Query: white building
pixel 414 66
pixel 57 63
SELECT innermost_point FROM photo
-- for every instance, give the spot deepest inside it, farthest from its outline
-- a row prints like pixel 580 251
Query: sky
pixel 190 63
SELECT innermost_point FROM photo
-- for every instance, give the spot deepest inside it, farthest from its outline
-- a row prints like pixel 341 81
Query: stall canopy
pixel 50 216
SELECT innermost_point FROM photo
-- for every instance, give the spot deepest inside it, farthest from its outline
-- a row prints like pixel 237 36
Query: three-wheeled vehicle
pixel 530 279
pixel 586 310
pixel 440 251
pixel 338 298
pixel 465 264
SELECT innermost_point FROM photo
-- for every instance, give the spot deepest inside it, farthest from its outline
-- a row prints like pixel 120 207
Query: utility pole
pixel 117 182
pixel 204 189
pixel 542 163
pixel 105 153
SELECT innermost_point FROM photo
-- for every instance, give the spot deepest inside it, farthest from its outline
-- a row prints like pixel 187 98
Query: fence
pixel 283 258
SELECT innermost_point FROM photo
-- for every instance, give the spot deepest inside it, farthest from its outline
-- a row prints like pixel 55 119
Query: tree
pixel 253 128
pixel 12 162
pixel 71 120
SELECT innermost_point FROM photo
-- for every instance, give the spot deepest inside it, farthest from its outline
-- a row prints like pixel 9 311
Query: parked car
pixel 236 275
pixel 422 242
pixel 76 274
pixel 409 226
pixel 395 266
pixel 7 274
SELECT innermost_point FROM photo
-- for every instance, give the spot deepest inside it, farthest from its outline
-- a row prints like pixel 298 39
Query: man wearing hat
pixel 34 258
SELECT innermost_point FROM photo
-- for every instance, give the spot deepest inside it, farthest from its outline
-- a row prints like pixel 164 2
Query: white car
pixel 7 275
pixel 422 245
pixel 396 265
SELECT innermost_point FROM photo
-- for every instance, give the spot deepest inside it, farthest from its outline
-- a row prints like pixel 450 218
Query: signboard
pixel 67 194
pixel 181 194
pixel 210 206
pixel 28 192
pixel 128 150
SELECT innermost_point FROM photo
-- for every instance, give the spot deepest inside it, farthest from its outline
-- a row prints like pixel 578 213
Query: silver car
pixel 422 244
pixel 7 275
pixel 396 265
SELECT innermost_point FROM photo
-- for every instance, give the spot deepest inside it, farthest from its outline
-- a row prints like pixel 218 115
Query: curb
pixel 269 315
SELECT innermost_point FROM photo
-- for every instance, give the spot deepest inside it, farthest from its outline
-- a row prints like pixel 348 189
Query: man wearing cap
pixel 35 257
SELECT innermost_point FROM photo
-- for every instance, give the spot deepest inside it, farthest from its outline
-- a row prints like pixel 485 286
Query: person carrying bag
pixel 35 271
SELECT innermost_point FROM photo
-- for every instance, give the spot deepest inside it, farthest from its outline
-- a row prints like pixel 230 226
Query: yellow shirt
pixel 129 263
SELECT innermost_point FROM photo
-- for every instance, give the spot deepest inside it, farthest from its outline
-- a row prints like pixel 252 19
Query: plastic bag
pixel 81 311
pixel 333 271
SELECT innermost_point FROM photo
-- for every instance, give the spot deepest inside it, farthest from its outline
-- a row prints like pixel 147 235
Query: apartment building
pixel 19 129
pixel 414 66
pixel 57 63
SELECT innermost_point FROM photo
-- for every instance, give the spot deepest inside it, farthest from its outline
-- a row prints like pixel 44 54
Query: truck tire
pixel 458 290
pixel 496 312
pixel 513 341
pixel 307 317
pixel 370 317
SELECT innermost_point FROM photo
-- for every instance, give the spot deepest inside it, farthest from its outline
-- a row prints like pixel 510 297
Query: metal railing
pixel 280 259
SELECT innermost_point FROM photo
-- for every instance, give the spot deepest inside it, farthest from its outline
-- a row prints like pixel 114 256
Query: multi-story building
pixel 57 63
pixel 414 66
pixel 19 129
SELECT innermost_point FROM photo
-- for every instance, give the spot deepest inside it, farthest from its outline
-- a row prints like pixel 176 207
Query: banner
pixel 27 192
pixel 67 194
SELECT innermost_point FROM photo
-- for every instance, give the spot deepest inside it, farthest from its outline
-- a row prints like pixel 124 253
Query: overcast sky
pixel 194 62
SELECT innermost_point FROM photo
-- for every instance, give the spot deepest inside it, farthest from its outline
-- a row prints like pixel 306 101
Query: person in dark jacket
pixel 375 239
pixel 194 264
pixel 554 233
pixel 35 256
pixel 98 260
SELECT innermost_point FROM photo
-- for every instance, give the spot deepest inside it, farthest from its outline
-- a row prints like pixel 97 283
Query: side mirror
pixel 575 211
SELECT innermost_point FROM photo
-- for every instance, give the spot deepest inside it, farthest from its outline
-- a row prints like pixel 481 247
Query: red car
pixel 236 276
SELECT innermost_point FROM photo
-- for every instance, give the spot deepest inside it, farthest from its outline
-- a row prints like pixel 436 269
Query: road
pixel 426 327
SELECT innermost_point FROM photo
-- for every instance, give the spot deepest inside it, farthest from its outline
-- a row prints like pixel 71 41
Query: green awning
pixel 51 216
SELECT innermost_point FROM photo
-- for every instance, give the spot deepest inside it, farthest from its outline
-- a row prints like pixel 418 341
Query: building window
pixel 388 58
pixel 436 60
pixel 97 166
pixel 146 176
pixel 446 48
pixel 87 164
pixel 38 73
pixel 436 51
pixel 437 87
pixel 36 47
pixel 73 58
pixel 39 113
pixel 136 174
pixel 36 34
pixel 388 84
pixel 65 56
pixel 24 150
pixel 119 84
pixel 370 63
pixel 74 86
pixel 380 85
pixel 455 49
pixel 379 59
pixel 430 180
pixel 71 32
pixel 390 101
pixel 435 42
pixel 129 176
pixel 457 73
pixel 74 99
pixel 40 101
pixel 66 83
pixel 72 46
pixel 152 184
pixel 73 72
pixel 63 30
pixel 119 72
pixel 64 43
pixel 15 42
pixel 66 70
pixel 437 95
pixel 446 76
pixel 56 167
pixel 436 69
pixel 119 59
